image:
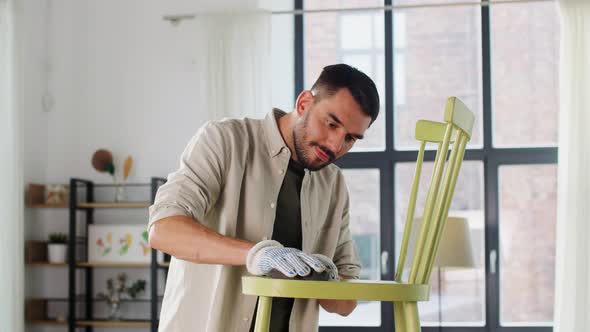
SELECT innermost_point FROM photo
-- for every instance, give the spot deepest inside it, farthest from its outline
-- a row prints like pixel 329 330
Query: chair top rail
pixel 458 114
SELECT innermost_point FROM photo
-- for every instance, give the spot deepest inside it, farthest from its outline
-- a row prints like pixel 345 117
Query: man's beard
pixel 303 155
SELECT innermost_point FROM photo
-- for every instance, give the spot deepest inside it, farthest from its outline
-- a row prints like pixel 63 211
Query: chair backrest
pixel 452 134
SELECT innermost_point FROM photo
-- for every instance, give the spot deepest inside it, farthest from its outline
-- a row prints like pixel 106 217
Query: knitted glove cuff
pixel 252 261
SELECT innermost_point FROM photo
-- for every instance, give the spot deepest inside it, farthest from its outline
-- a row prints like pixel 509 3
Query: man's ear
pixel 304 101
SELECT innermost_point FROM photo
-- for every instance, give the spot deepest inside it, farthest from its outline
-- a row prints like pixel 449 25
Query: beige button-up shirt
pixel 229 179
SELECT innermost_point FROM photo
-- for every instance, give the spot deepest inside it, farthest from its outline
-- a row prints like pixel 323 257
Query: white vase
pixel 114 311
pixel 57 252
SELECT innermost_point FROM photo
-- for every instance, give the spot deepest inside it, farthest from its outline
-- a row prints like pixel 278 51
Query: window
pixel 527 243
pixel 525 87
pixel 501 61
pixel 399 60
pixel 355 38
pixel 440 57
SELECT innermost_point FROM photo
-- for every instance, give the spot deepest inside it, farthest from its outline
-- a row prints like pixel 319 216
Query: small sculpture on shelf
pixel 57 247
pixel 102 161
pixel 56 194
pixel 116 290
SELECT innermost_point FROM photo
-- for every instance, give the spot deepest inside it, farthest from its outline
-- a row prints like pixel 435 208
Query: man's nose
pixel 335 143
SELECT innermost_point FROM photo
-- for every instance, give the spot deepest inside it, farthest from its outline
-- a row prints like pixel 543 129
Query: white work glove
pixel 331 268
pixel 269 254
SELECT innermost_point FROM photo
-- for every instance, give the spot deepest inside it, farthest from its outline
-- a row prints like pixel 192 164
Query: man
pixel 262 196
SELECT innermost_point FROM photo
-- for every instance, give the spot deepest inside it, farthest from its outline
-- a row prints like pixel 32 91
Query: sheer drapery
pixel 11 198
pixel 236 62
pixel 572 291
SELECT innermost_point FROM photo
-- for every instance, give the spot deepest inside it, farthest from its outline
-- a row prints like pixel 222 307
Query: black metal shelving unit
pixel 155 266
pixel 77 249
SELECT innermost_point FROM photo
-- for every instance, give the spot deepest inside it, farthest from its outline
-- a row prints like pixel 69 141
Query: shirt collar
pixel 274 139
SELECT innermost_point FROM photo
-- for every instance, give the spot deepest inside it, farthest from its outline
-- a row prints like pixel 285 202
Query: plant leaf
pixel 111 169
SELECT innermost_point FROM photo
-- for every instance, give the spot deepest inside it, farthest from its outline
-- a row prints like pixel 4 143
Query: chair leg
pixel 411 317
pixel 399 317
pixel 263 314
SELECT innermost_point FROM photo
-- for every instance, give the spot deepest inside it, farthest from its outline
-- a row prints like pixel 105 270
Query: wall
pixel 33 52
pixel 123 79
pixel 115 75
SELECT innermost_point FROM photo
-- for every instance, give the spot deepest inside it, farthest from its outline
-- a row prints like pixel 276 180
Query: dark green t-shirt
pixel 287 231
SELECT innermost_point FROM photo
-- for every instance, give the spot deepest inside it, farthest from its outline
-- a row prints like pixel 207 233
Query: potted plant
pixel 116 291
pixel 57 247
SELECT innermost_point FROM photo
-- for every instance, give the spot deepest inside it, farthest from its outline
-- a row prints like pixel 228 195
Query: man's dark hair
pixel 361 87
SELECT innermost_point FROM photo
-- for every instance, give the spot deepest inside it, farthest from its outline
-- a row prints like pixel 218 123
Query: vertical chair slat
pixel 423 229
pixel 425 226
pixel 410 214
pixel 462 143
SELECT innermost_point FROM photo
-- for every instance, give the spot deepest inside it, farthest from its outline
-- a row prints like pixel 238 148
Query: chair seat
pixel 364 290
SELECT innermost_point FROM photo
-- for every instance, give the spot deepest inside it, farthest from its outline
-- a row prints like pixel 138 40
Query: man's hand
pixel 341 307
pixel 269 254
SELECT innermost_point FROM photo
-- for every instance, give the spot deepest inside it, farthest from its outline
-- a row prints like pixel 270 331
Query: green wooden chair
pixel 451 135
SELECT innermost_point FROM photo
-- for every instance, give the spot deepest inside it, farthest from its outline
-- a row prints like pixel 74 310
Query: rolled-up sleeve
pixel 346 256
pixel 194 188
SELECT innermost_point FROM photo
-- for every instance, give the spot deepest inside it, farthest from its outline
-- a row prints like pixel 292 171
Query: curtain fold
pixel 572 289
pixel 11 197
pixel 236 64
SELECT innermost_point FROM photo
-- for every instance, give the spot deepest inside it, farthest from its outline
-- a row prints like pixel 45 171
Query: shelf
pixel 99 264
pixel 84 201
pixel 46 264
pixel 114 205
pixel 120 323
pixel 47 206
pixel 112 264
pixel 82 297
pixel 146 184
pixel 47 322
pixel 125 300
pixel 48 299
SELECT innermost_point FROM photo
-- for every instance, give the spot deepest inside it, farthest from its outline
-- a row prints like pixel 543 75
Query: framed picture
pixel 118 243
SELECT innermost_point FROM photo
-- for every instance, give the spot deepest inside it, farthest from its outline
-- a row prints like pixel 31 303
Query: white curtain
pixel 572 289
pixel 236 73
pixel 11 184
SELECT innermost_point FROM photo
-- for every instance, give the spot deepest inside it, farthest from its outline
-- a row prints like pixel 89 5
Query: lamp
pixel 455 246
pixel 454 251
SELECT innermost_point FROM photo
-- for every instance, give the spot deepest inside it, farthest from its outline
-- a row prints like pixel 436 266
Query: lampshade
pixel 455 248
